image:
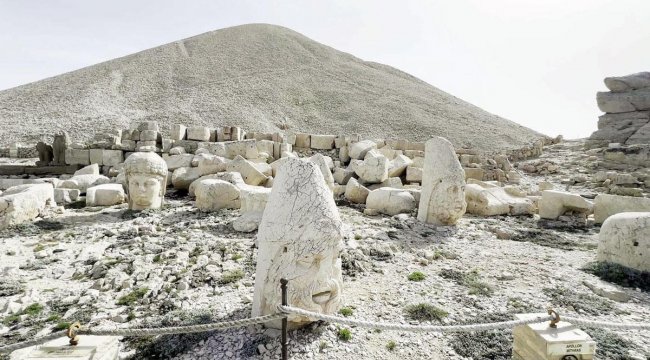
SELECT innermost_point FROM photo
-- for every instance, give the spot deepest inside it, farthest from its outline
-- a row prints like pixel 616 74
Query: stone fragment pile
pixel 627 111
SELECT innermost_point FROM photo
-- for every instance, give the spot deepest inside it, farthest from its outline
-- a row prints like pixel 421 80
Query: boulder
pixel 492 201
pixel 92 169
pixel 83 182
pixel 342 176
pixel 248 171
pixel 344 155
pixel 414 174
pixel 392 182
pixel 254 198
pixel 619 102
pixel 442 199
pixel 303 141
pixel 636 81
pixel 105 195
pixel 210 164
pixel 356 192
pixel 606 205
pixel 554 204
pixel 248 222
pixel 391 201
pixel 214 194
pixel 373 169
pixel 24 202
pixel 359 149
pixel 299 238
pixel 624 239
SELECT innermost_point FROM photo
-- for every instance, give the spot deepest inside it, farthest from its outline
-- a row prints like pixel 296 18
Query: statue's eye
pixel 150 182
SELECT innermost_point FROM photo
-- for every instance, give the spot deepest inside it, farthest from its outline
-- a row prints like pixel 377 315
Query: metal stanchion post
pixel 285 340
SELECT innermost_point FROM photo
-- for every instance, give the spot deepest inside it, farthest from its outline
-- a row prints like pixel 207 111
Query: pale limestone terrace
pixel 260 77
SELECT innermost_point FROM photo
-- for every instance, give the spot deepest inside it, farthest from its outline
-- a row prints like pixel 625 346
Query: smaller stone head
pixel 146 180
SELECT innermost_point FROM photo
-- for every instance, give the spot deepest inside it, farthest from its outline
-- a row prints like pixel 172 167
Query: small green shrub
pixel 391 345
pixel 346 311
pixel 157 258
pixel 232 276
pixel 472 280
pixel 62 326
pixel 130 298
pixel 416 276
pixel 236 256
pixel 53 317
pixel 425 312
pixel 33 309
pixel 345 334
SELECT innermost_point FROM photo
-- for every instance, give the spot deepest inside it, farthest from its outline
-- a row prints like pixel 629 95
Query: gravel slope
pixel 255 76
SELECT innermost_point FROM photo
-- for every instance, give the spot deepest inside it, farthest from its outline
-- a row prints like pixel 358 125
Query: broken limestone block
pixel 398 165
pixel 373 169
pixel 210 164
pixel 291 139
pixel 148 135
pixel 190 146
pixel 65 196
pixel 342 176
pixel 248 171
pixel 179 132
pixel 606 205
pixel 214 194
pixel 112 157
pixel 607 290
pixel 344 155
pixel 615 102
pixel 303 141
pixel 83 182
pixel 474 173
pixel 391 201
pixel 392 182
pixel 299 238
pixel 359 149
pixel 636 81
pixel 92 169
pixel 492 201
pixel 178 161
pixel 322 164
pixel 24 202
pixel 182 177
pixel 413 174
pixel 443 184
pixel 231 177
pixel 265 146
pixel 167 144
pixel 95 156
pixel 248 222
pixel 198 133
pixel 356 192
pixel 322 142
pixel 77 157
pixel 105 195
pixel 263 167
pixel 148 125
pixel 624 239
pixel 254 198
pixel 553 204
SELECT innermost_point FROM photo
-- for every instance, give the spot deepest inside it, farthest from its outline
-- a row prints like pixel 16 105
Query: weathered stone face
pixel 443 184
pixel 146 179
pixel 299 239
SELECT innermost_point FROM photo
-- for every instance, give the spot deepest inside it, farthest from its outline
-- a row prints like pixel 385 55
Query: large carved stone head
pixel 146 179
pixel 299 239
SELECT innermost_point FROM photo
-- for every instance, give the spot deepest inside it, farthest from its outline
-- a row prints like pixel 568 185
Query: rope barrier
pixel 415 328
pixel 607 324
pixel 187 329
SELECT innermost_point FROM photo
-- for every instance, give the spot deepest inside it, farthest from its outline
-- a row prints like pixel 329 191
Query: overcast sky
pixel 536 62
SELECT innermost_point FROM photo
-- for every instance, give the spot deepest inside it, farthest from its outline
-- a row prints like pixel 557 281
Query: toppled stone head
pixel 299 239
pixel 146 179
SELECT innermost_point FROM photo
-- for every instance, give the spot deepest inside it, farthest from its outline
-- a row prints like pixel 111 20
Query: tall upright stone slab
pixel 443 184
pixel 44 154
pixel 300 239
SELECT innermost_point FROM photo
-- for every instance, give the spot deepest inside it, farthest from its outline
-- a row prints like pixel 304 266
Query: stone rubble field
pixel 110 266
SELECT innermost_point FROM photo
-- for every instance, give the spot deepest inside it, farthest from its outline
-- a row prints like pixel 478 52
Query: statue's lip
pixel 321 297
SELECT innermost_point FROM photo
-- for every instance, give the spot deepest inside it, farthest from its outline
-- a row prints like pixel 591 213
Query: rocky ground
pixel 114 267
